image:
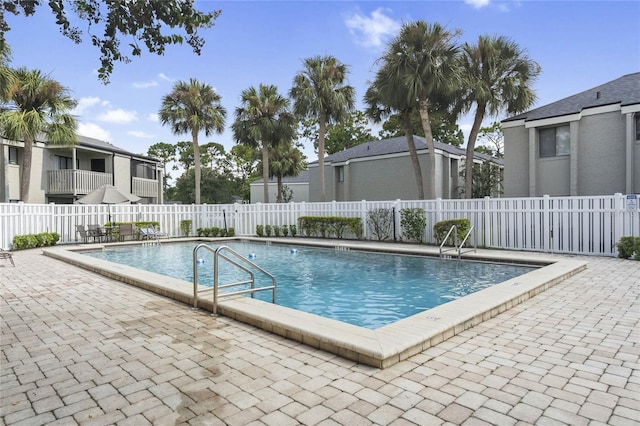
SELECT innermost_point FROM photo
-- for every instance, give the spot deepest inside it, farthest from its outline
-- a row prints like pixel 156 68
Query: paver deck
pixel 79 348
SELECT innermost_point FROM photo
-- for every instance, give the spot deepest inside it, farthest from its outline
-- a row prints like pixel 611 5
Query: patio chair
pixel 80 229
pixel 7 256
pixel 126 230
pixel 96 233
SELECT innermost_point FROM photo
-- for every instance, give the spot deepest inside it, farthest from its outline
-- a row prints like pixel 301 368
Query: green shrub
pixel 628 246
pixel 380 222
pixel 329 226
pixel 231 232
pixel 276 230
pixel 185 226
pixel 285 230
pixel 413 224
pixel 441 228
pixel 260 230
pixel 293 230
pixel 267 230
pixel 43 239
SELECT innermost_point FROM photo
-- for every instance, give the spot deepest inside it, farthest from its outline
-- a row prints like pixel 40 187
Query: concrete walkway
pixel 78 348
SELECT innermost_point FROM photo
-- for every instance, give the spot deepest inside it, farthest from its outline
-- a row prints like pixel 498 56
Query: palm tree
pixel 384 99
pixel 6 74
pixel 286 160
pixel 37 106
pixel 319 92
pixel 263 120
pixel 420 63
pixel 193 107
pixel 497 76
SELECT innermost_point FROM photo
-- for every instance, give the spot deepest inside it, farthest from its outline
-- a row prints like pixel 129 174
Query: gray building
pixel 299 186
pixel 586 144
pixel 382 170
pixel 62 174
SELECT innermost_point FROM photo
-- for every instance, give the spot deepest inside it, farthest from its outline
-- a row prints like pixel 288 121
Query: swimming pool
pixel 379 348
pixel 365 289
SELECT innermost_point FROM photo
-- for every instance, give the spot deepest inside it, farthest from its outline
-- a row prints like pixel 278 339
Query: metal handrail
pixel 455 241
pixel 219 253
pixel 466 237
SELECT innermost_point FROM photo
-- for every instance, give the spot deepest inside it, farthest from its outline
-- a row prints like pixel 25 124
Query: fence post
pixel 547 231
pixel 486 222
pixel 619 209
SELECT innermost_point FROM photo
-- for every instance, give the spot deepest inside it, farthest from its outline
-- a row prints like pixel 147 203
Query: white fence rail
pixel 577 225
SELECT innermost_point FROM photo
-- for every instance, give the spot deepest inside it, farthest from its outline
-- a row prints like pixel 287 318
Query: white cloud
pixel 92 130
pixel 154 117
pixel 162 76
pixel 84 104
pixel 373 30
pixel 140 134
pixel 477 3
pixel 118 116
pixel 145 84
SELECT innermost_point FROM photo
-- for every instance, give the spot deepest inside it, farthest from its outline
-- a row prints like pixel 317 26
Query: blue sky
pixel 579 44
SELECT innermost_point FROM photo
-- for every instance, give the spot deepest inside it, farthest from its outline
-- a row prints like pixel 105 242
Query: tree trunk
pixel 196 162
pixel 26 169
pixel 428 136
pixel 265 171
pixel 321 132
pixel 408 130
pixel 471 146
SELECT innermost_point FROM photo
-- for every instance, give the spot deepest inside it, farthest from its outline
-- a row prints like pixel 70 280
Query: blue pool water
pixel 360 288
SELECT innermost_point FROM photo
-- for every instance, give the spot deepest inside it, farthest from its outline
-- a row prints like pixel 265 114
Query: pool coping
pixel 379 348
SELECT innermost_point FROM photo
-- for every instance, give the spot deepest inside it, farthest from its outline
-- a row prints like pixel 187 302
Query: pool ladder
pixel 238 260
pixel 456 246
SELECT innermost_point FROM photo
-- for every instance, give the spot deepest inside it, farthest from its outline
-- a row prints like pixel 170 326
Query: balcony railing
pixel 61 181
pixel 145 187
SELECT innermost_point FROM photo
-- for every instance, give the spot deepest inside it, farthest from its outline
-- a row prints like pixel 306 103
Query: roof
pixel 106 146
pixel 394 146
pixel 624 91
pixel 303 177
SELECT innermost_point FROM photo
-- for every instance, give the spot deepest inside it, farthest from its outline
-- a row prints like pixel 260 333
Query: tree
pixel 491 140
pixel 498 76
pixel 383 98
pixel 422 60
pixel 166 153
pixel 7 77
pixel 244 165
pixel 136 22
pixel 319 92
pixel 443 127
pixel 488 176
pixel 193 107
pixel 218 188
pixel 351 131
pixel 263 120
pixel 37 105
pixel 286 160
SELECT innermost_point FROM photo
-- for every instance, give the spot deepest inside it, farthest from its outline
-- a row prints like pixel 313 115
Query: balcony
pixel 62 181
pixel 145 187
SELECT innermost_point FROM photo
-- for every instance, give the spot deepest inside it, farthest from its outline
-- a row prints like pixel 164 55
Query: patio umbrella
pixel 108 194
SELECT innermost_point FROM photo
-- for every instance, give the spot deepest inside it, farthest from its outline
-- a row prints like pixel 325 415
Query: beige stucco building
pixel 586 144
pixel 62 174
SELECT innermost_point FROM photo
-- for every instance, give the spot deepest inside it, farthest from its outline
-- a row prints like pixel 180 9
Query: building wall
pixel 300 192
pixel 597 164
pixel 601 154
pixel 516 161
pixel 385 178
pixel 122 172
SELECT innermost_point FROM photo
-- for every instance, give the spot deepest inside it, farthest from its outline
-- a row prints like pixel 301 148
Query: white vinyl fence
pixel 578 225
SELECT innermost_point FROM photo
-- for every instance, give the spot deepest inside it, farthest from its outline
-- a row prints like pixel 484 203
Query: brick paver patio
pixel 79 348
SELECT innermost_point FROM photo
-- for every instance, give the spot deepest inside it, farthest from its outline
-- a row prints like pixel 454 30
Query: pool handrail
pixel 457 247
pixel 219 253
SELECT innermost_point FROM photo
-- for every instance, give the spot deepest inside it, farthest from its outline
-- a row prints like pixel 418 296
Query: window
pixel 638 126
pixel 13 155
pixel 63 163
pixel 554 142
pixel 98 165
pixel 340 173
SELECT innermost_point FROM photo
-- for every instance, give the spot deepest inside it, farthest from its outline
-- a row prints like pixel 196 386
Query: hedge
pixel 440 229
